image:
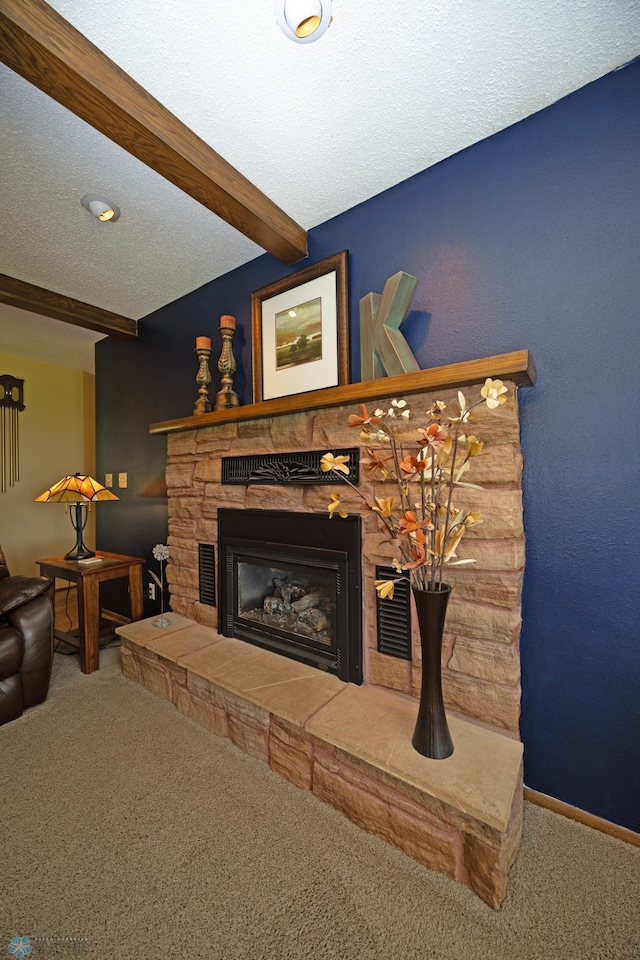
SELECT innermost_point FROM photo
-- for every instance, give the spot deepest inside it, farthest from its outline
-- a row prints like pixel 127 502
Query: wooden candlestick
pixel 203 379
pixel 227 365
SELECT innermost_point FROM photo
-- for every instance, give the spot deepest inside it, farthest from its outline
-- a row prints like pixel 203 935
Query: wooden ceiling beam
pixel 45 49
pixel 26 296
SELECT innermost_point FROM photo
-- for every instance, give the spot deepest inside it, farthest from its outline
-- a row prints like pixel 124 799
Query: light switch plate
pixel 122 480
pixel 108 479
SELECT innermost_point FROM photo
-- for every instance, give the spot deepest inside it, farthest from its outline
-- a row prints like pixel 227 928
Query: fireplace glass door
pixel 291 598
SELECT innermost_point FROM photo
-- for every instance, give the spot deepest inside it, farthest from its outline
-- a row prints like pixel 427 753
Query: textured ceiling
pixel 317 127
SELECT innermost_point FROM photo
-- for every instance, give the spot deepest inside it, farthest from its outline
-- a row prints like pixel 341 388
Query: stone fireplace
pixel 481 663
pixel 350 744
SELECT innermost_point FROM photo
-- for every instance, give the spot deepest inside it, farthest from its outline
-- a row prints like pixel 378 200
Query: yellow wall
pixel 57 437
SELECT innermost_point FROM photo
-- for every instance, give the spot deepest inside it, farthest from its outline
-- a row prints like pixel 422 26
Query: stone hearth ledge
pixel 350 745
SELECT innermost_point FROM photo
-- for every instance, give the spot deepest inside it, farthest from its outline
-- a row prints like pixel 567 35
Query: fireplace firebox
pixel 291 582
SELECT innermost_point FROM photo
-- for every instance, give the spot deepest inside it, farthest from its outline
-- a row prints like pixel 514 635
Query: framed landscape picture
pixel 300 331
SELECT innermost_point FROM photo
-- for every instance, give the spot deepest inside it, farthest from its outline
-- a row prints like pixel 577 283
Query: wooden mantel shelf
pixel 517 367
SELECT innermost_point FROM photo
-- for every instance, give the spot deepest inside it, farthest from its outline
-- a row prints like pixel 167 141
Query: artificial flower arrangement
pixel 161 554
pixel 422 521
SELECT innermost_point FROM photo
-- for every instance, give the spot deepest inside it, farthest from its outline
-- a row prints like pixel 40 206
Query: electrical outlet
pixel 122 480
pixel 108 479
pixel 152 591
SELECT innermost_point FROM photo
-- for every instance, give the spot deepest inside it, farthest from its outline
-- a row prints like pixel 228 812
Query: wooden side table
pixel 88 578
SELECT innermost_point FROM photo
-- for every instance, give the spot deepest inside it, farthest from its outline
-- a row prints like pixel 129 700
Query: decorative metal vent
pixel 301 467
pixel 394 617
pixel 207 573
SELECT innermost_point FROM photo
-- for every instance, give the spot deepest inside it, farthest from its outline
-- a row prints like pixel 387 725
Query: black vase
pixel 431 736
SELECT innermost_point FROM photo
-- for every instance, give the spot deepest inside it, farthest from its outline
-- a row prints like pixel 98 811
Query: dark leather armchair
pixel 26 642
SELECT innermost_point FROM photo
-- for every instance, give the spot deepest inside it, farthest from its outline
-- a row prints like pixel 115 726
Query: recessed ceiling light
pixel 102 209
pixel 303 21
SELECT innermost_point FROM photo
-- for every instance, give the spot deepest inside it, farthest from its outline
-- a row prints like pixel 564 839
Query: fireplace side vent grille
pixel 394 617
pixel 286 468
pixel 207 573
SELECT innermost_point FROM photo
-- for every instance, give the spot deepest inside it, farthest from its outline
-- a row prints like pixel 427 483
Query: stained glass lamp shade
pixel 79 491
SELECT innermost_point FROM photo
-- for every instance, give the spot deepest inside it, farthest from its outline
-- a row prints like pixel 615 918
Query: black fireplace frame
pixel 337 546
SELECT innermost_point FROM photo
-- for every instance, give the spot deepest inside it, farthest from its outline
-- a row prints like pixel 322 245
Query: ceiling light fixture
pixel 102 209
pixel 303 21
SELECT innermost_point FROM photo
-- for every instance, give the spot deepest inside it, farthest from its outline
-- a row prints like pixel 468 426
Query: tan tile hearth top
pixel 290 690
pixel 376 725
pixel 370 723
pixel 143 630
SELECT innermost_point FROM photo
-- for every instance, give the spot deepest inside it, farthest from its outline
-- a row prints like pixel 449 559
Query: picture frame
pixel 300 331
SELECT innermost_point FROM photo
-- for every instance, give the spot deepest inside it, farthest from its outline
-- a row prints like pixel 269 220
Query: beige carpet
pixel 127 825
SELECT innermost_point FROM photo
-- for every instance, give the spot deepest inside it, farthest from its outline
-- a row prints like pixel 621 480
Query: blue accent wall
pixel 529 239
